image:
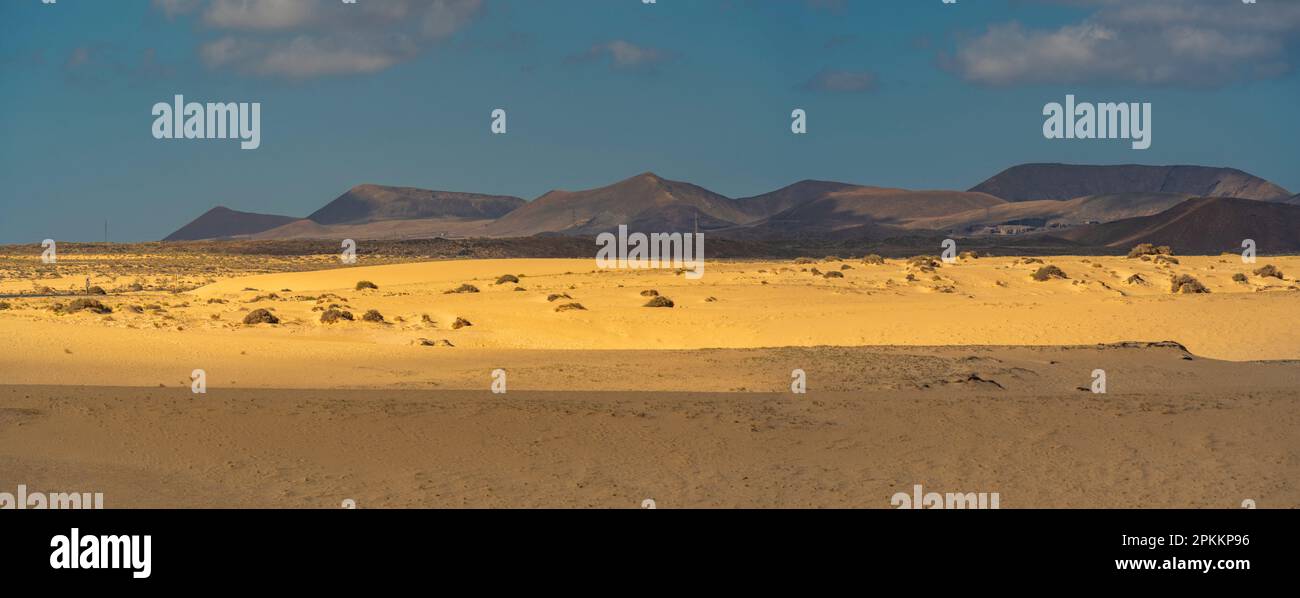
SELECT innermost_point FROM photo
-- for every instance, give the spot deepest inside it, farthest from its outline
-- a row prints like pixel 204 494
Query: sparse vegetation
pixel 96 290
pixel 1186 284
pixel 366 284
pixel 464 288
pixel 90 305
pixel 508 279
pixel 660 301
pixel 1239 277
pixel 1147 249
pixel 373 316
pixel 460 323
pixel 650 293
pixel 1268 271
pixel 1048 272
pixel 570 307
pixel 805 260
pixel 924 263
pixel 331 316
pixel 4 305
pixel 873 260
pixel 260 316
pixel 557 296
pixel 833 274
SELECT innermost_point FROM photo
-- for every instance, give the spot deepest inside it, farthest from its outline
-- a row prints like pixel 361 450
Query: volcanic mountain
pixel 1066 181
pixel 646 203
pixel 1051 213
pixel 222 222
pixel 857 211
pixel 373 203
pixel 1202 225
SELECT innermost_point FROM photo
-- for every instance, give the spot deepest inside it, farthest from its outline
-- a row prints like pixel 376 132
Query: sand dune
pixel 990 301
pixel 969 377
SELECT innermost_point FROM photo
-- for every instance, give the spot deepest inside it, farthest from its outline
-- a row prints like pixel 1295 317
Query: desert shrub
pixel 873 260
pixel 1136 279
pixel 805 260
pixel 4 305
pixel 135 287
pixel 924 262
pixel 557 296
pixel 460 323
pixel 260 316
pixel 660 301
pixel 1149 249
pixel 90 305
pixel 215 300
pixel 1184 283
pixel 96 290
pixel 366 284
pixel 1269 271
pixel 331 316
pixel 1239 277
pixel 846 267
pixel 831 258
pixel 508 278
pixel 373 316
pixel 465 288
pixel 1030 260
pixel 571 307
pixel 650 293
pixel 969 255
pixel 833 274
pixel 1048 273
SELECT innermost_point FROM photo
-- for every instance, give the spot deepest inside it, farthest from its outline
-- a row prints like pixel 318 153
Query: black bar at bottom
pixel 730 549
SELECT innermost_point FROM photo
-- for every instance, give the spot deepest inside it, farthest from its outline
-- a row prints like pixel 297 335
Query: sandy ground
pixel 967 377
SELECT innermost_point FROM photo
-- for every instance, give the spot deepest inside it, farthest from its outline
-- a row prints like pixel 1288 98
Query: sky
pixel 904 93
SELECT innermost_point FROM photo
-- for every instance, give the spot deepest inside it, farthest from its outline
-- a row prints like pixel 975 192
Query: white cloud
pixel 1156 42
pixel 621 54
pixel 317 38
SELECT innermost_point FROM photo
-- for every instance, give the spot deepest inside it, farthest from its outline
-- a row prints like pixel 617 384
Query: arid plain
pixel 970 376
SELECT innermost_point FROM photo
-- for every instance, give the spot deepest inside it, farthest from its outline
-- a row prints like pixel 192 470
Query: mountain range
pixel 1190 207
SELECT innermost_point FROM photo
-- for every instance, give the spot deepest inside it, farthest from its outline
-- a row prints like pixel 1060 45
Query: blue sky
pixel 907 93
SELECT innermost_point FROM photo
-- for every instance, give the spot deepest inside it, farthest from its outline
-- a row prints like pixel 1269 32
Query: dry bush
pixel 332 316
pixel 1269 271
pixel 366 284
pixel 660 302
pixel 1143 249
pixel 373 316
pixel 1048 273
pixel 260 316
pixel 1185 283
